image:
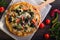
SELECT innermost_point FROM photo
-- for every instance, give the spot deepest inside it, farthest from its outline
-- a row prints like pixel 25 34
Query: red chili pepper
pixel 53 12
pixel 2 9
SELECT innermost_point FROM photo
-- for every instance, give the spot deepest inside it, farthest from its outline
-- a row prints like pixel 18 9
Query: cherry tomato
pixel 17 20
pixel 47 21
pixel 47 36
pixel 2 9
pixel 42 25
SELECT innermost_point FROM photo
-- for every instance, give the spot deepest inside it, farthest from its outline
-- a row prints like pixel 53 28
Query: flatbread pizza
pixel 22 19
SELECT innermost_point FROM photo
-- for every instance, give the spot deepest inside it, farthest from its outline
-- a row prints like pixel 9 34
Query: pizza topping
pixel 10 19
pixel 22 18
pixel 17 11
pixel 22 23
pixel 32 25
pixel 17 20
pixel 25 28
pixel 18 27
pixel 31 13
pixel 25 8
pixel 27 19
pixel 13 15
pixel 34 21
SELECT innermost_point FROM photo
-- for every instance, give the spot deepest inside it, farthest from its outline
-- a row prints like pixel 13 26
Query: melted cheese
pixel 17 7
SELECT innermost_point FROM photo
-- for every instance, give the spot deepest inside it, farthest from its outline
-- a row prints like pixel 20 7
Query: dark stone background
pixel 39 34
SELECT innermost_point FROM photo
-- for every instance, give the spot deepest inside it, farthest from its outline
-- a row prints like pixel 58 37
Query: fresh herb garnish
pixel 55 31
pixel 3 3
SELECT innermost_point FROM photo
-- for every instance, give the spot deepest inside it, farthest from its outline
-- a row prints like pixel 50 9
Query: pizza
pixel 22 19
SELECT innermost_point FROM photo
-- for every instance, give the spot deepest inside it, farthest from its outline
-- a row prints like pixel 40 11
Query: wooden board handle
pixel 44 4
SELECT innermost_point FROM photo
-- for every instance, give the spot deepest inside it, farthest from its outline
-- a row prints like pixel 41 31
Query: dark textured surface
pixel 39 34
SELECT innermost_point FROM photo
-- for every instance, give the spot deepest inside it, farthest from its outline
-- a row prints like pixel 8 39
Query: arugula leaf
pixel 55 31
